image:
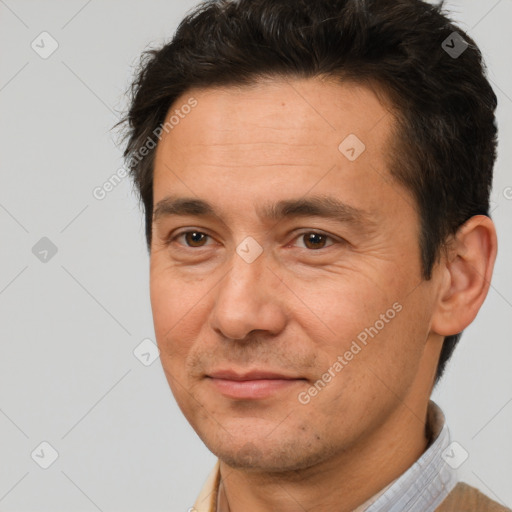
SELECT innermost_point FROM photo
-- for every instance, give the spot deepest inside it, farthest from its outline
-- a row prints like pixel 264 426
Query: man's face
pixel 252 311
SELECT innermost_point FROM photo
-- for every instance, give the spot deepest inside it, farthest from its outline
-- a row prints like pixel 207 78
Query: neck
pixel 342 483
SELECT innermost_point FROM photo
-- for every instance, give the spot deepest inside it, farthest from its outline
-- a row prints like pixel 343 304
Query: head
pixel 333 164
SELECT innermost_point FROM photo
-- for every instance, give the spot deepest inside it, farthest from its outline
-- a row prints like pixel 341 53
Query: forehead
pixel 297 112
pixel 288 133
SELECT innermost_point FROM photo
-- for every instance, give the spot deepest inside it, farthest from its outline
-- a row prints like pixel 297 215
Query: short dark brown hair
pixel 443 103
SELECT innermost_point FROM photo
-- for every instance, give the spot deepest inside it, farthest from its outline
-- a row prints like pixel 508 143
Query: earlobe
pixel 467 272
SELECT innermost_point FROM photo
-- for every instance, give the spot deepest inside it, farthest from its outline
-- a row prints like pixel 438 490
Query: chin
pixel 271 456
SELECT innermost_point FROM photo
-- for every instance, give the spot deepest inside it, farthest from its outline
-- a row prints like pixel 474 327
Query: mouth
pixel 253 385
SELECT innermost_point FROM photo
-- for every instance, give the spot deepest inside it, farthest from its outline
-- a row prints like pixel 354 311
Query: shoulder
pixel 465 498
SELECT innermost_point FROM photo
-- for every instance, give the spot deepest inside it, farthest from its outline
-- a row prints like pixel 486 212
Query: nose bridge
pixel 245 300
pixel 246 283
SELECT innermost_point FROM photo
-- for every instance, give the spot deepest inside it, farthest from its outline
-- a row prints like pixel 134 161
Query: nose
pixel 248 298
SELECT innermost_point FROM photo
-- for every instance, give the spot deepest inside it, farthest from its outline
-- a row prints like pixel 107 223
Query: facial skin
pixel 304 300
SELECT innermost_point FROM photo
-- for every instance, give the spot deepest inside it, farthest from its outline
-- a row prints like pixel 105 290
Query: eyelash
pixel 174 237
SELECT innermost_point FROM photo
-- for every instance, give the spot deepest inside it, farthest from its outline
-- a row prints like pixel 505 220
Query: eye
pixel 314 240
pixel 192 238
pixel 195 239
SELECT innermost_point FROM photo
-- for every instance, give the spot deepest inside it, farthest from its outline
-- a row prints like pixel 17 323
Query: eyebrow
pixel 312 206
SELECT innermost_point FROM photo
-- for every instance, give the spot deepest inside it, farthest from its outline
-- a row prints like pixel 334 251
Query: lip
pixel 252 385
pixel 251 375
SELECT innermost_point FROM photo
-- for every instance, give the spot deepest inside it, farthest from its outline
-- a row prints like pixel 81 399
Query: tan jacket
pixel 465 498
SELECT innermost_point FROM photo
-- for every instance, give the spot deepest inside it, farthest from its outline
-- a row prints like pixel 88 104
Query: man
pixel 317 219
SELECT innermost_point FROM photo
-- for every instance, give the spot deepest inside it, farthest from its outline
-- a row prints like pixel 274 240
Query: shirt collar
pixel 424 486
pixel 421 488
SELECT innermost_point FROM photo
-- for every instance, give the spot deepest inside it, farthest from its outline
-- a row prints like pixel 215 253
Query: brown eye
pixel 194 238
pixel 314 240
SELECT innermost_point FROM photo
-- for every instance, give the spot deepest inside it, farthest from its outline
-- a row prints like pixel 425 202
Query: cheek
pixel 392 345
pixel 372 325
pixel 178 309
pixel 178 318
pixel 338 310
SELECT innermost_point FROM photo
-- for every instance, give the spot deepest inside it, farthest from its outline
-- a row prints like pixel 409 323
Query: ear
pixel 466 275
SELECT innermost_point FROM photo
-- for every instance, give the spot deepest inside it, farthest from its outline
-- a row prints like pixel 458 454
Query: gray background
pixel 69 325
